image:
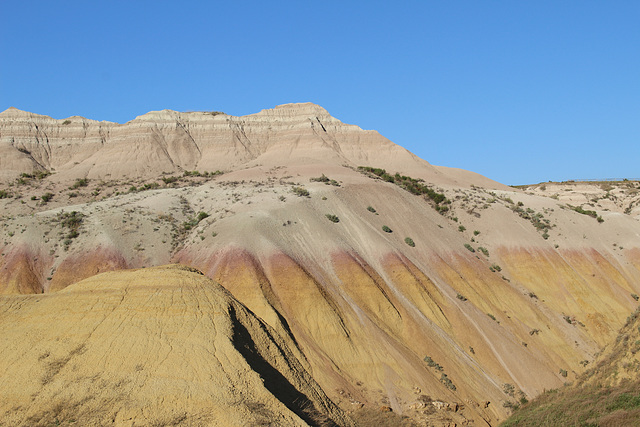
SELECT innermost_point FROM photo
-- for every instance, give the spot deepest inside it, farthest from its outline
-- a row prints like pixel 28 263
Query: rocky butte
pixel 343 279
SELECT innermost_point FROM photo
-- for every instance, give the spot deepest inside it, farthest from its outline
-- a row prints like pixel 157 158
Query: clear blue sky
pixel 521 92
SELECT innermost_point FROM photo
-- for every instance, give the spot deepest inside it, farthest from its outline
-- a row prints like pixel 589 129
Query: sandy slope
pixel 159 346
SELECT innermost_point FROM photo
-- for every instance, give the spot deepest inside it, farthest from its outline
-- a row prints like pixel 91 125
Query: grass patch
pixel 581 406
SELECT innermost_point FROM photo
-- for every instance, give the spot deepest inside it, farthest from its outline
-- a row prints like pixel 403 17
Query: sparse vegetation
pixel 414 186
pixel 461 297
pixel 444 379
pixel 461 228
pixel 582 211
pixel 326 180
pixel 332 218
pixel 80 182
pixel 169 179
pixel 371 209
pixel 432 364
pixel 469 247
pixel 386 229
pixel 71 221
pixel 591 405
pixel 46 198
pixel 300 191
pixel 409 241
pixel 485 251
pixel 4 194
pixel 191 223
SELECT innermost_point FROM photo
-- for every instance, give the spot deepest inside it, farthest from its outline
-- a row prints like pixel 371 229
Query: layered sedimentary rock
pixel 169 141
pixel 387 297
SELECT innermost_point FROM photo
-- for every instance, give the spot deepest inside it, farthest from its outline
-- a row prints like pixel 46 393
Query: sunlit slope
pixel 432 292
pixel 159 346
pixel 607 394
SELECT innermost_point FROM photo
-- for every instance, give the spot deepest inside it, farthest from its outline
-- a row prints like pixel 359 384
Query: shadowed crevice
pixel 274 381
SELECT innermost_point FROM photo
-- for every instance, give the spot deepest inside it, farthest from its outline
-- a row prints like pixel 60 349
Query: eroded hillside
pixel 434 293
pixel 159 346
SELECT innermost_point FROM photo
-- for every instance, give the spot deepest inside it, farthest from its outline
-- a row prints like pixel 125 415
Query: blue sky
pixel 522 92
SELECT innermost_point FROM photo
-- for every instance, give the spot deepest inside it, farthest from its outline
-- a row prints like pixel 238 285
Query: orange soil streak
pixel 21 272
pixel 78 267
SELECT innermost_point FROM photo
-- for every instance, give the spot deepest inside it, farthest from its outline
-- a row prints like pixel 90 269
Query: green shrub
pixel 635 297
pixel 484 250
pixel 371 209
pixel 579 209
pixel 461 228
pixel 492 317
pixel 444 379
pixel 322 178
pixel 66 122
pixel 468 246
pixel 188 225
pixel 476 232
pixel 332 218
pixel 432 364
pixel 46 197
pixel 4 194
pixel 169 179
pixel 461 297
pixel 386 229
pixel 563 372
pixel 300 191
pixel 80 182
pixel 412 185
pixel 409 241
pixel 326 180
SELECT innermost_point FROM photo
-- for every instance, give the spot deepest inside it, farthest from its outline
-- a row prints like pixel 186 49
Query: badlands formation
pixel 334 293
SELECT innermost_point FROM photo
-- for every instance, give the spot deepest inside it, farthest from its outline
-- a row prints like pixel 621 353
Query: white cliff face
pixel 169 141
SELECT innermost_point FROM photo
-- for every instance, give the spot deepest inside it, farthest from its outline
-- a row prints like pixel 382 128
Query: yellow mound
pixel 157 346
